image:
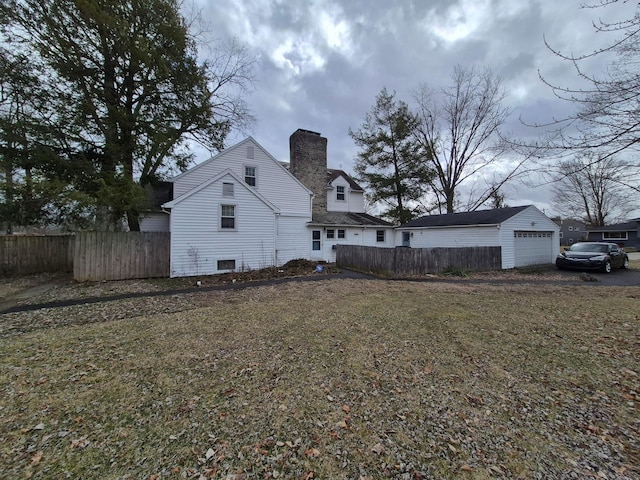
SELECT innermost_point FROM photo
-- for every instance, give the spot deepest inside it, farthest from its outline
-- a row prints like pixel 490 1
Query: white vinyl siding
pixel 530 219
pixel 197 242
pixel 353 201
pixel 155 222
pixel 292 239
pixel 276 184
pixel 353 236
pixel 478 236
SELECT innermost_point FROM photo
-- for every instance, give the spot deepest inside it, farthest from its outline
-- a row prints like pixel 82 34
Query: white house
pixel 338 207
pixel 527 236
pixel 242 209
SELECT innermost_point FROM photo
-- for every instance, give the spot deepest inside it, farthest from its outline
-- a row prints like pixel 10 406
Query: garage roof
pixel 479 217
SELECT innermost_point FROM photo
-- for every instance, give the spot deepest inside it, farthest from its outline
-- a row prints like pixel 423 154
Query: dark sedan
pixel 593 256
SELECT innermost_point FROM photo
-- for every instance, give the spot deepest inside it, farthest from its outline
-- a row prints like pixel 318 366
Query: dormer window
pixel 340 193
pixel 250 176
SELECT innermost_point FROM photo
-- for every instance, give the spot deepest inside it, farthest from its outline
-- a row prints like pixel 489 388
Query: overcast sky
pixel 321 63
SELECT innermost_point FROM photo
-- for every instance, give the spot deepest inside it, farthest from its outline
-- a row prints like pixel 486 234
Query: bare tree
pixel 594 190
pixel 460 129
pixel 607 117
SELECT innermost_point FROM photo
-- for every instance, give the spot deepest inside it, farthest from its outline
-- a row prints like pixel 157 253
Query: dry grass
pixel 331 379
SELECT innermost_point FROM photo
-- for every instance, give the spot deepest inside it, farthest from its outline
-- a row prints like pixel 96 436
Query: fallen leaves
pixel 378 449
pixel 385 380
pixel 312 453
pixel 35 459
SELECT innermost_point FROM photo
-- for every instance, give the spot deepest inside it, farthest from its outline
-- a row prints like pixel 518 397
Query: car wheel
pixel 606 268
pixel 625 264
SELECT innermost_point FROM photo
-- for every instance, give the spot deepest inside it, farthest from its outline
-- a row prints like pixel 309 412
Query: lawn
pixel 339 378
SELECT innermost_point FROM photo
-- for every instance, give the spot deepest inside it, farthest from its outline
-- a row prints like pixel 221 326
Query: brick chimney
pixel 308 163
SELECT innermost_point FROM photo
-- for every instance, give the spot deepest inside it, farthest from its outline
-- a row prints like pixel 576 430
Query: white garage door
pixel 533 248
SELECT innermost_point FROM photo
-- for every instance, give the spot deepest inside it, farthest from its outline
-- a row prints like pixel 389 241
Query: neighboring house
pixel 571 230
pixel 625 234
pixel 527 236
pixel 242 209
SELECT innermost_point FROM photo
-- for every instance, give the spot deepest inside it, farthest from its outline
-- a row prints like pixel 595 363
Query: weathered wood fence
pixel 91 256
pixel 418 261
pixel 31 254
pixel 120 255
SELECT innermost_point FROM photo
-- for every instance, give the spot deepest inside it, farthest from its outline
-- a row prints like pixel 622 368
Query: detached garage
pixel 525 234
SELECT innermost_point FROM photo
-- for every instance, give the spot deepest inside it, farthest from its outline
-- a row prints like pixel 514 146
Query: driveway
pixel 619 277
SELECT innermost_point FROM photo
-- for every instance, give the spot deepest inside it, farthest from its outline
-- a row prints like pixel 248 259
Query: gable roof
pixel 233 147
pixel 332 174
pixel 204 185
pixel 348 219
pixel 479 217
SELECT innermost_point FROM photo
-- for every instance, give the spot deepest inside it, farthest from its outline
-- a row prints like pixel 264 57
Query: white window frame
pixel 615 236
pixel 229 189
pixel 341 190
pixel 331 233
pixel 223 217
pixel 341 233
pixel 378 232
pixel 254 176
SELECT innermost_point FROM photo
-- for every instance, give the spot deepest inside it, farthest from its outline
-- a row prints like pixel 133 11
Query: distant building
pixel 625 234
pixel 571 230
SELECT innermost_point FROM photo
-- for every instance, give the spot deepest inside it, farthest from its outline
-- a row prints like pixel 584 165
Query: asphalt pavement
pixel 618 277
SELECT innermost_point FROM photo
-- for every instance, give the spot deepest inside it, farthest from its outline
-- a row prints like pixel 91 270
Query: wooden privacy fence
pixel 418 261
pixel 91 256
pixel 31 254
pixel 121 255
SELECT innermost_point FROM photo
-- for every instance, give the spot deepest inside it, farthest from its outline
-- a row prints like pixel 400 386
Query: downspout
pixel 276 216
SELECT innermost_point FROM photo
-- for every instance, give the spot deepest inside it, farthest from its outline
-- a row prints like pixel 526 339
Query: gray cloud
pixel 322 62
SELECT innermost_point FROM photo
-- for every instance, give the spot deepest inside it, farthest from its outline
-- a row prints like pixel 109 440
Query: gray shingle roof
pixel 332 174
pixel 348 219
pixel 479 217
pixel 618 227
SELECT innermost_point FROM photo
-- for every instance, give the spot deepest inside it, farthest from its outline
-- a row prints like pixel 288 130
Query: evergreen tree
pixel 391 162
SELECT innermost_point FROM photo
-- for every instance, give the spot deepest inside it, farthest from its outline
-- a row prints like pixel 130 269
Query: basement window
pixel 226 264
